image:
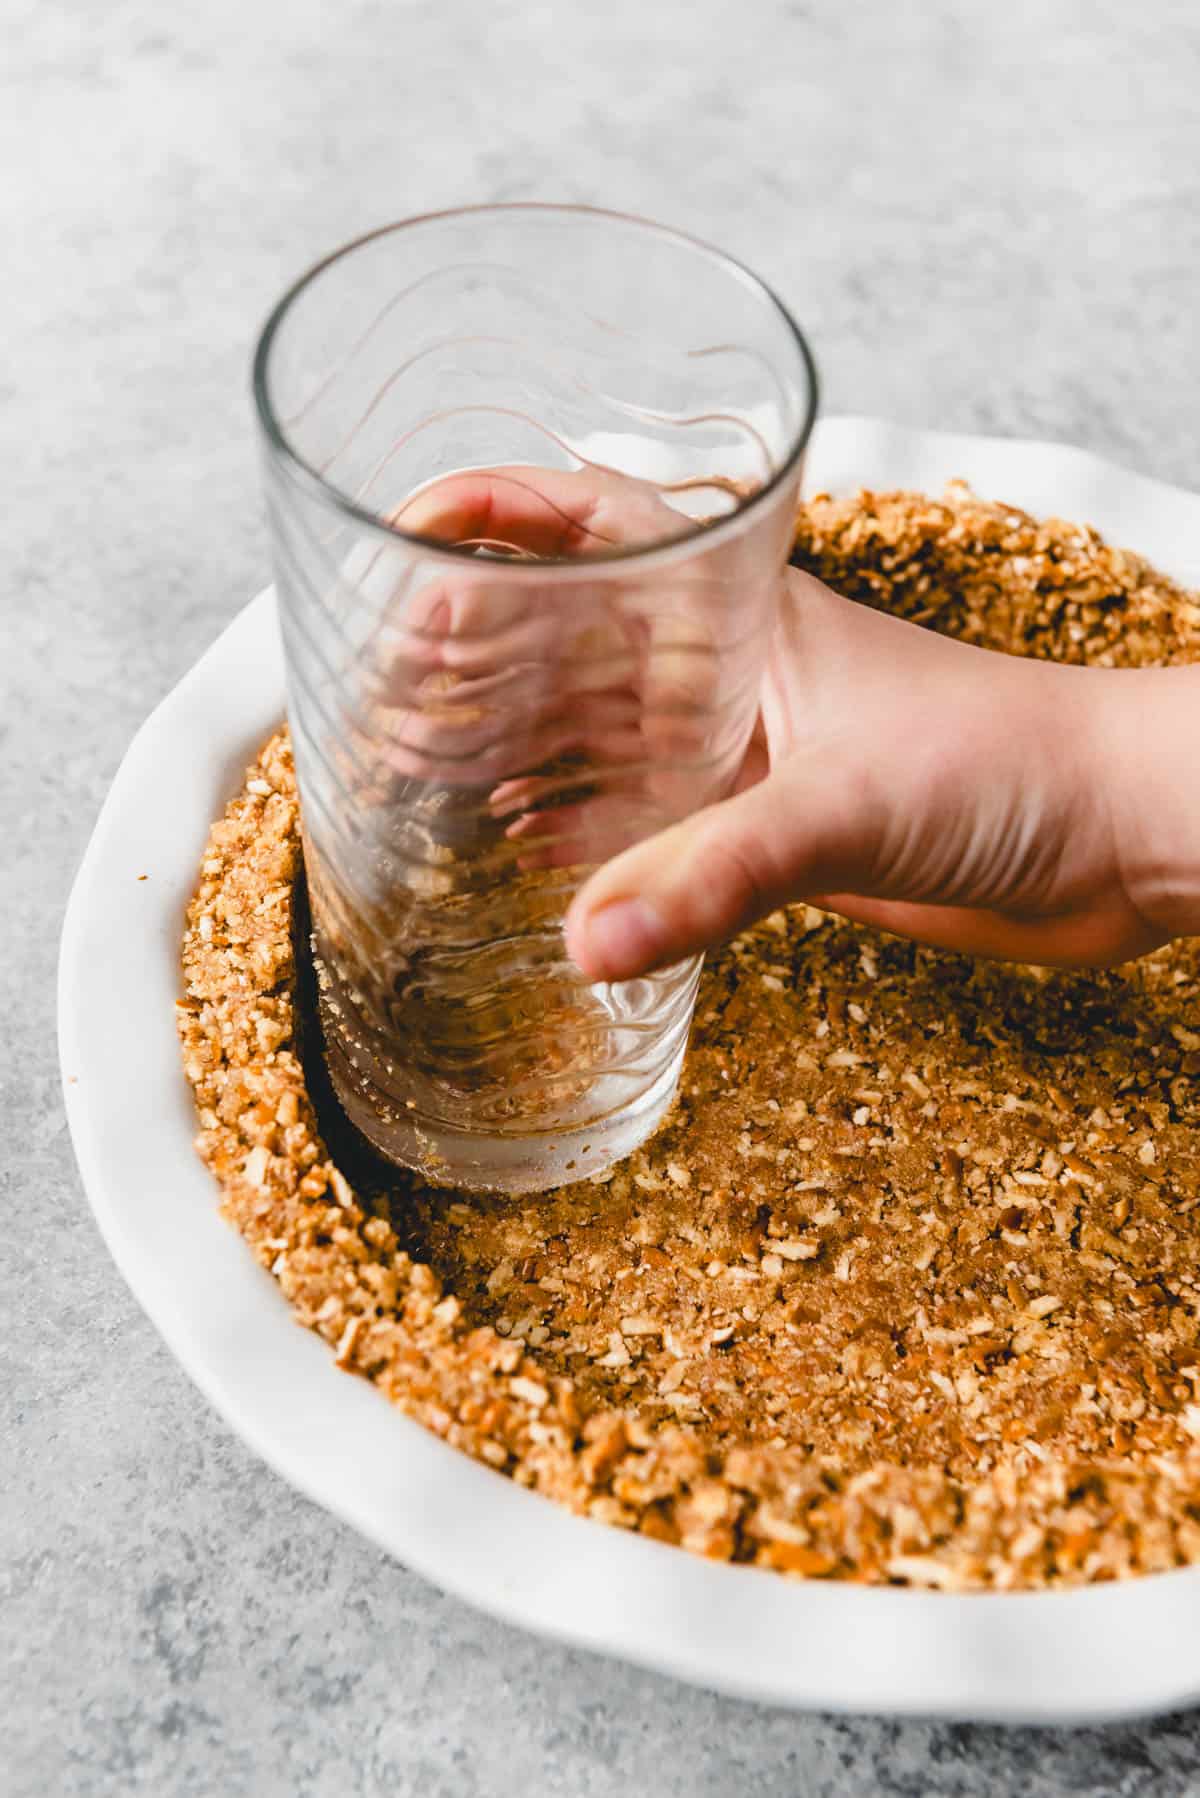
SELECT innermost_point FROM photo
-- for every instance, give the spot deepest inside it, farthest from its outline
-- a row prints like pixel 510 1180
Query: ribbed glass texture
pixel 531 474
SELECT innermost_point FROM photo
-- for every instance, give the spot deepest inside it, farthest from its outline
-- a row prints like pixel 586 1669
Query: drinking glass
pixel 531 474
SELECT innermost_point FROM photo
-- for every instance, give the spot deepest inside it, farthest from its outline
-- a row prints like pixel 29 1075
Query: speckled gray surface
pixel 980 211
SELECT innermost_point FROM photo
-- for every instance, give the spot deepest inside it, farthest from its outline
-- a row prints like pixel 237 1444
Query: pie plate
pixel 1092 1654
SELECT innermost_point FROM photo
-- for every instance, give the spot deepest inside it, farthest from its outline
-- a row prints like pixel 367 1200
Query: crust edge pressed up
pixel 1115 1210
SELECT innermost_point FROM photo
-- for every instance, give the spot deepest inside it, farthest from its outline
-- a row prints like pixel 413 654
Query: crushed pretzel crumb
pixel 903 1291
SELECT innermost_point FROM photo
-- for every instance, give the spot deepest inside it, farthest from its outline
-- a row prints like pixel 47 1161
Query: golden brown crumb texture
pixel 908 1287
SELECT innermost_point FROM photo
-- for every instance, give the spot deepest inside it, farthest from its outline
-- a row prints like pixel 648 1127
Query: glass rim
pixel 710 531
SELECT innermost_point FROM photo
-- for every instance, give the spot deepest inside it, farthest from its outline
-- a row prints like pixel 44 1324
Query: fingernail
pixel 622 938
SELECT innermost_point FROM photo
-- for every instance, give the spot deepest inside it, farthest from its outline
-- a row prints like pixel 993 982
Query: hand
pixel 590 711
pixel 974 801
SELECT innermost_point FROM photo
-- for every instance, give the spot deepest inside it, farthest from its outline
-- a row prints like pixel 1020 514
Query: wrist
pixel 1147 724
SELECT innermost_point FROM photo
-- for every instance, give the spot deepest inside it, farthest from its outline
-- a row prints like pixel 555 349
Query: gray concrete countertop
pixel 986 216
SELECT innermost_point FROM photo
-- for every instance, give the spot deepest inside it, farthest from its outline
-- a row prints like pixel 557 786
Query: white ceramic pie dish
pixel 1094 1654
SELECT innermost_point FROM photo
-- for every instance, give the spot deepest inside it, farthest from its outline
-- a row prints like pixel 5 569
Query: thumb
pixel 803 829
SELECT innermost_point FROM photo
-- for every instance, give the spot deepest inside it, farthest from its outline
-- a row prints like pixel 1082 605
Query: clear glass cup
pixel 531 475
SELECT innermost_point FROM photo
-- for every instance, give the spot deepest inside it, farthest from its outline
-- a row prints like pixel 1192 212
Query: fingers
pixel 541 511
pixel 504 719
pixel 489 675
pixel 699 882
pixel 536 512
pixel 468 628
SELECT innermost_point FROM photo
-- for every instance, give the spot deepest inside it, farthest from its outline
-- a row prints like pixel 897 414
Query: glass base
pixel 534 1163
